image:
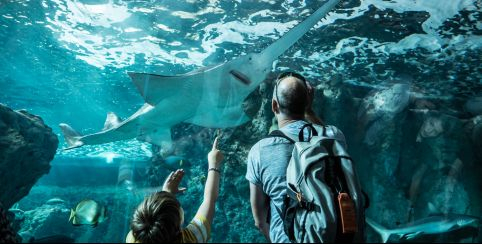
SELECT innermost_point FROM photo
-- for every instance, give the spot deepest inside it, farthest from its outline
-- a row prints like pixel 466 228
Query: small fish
pixel 88 212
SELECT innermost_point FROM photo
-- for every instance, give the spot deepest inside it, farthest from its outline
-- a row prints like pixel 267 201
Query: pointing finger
pixel 169 177
pixel 215 144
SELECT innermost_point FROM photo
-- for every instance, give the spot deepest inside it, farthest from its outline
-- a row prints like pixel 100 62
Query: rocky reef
pixel 47 217
pixel 407 173
pixel 27 146
pixel 411 162
pixel 7 234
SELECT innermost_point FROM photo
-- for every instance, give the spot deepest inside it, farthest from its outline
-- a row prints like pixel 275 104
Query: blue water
pixel 66 61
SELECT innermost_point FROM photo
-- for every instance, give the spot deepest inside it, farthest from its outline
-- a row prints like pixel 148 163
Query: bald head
pixel 291 96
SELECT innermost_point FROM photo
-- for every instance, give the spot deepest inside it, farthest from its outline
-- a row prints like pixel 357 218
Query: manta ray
pixel 209 97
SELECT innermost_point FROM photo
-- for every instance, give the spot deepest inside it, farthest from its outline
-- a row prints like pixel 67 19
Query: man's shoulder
pixel 268 141
pixel 324 126
pixel 334 129
pixel 271 139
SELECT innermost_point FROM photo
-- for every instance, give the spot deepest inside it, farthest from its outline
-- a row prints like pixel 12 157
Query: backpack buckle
pixel 304 204
pixel 299 196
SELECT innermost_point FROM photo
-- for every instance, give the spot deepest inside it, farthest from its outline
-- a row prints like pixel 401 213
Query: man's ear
pixel 275 106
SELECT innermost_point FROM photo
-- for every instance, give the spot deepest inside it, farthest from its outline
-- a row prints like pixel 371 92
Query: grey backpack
pixel 324 201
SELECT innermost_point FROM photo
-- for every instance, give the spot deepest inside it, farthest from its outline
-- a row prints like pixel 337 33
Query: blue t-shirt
pixel 267 163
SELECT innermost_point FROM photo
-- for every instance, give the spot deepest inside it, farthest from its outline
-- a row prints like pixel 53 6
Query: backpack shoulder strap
pixel 279 133
pixel 324 130
pixel 312 131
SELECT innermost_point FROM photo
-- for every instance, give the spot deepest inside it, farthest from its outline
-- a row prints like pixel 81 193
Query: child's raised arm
pixel 211 189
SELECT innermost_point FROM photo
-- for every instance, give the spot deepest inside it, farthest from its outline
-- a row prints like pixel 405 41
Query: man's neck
pixel 285 120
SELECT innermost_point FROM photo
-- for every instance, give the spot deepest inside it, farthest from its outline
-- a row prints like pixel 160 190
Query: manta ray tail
pixel 384 232
pixel 71 136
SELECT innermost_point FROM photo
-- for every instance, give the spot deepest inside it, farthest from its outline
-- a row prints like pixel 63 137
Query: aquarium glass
pixel 401 79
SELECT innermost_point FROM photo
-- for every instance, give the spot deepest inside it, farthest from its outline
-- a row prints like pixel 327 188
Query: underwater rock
pixel 383 157
pixel 7 234
pixel 48 219
pixel 27 146
pixel 382 21
pixel 379 108
pixel 445 191
pixel 473 128
pixel 476 135
pixel 447 146
pixel 474 105
pixel 55 201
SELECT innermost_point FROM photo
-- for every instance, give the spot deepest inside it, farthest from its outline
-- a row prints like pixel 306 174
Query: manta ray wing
pixel 222 88
pixel 209 96
pixel 155 88
pixel 220 117
pixel 157 137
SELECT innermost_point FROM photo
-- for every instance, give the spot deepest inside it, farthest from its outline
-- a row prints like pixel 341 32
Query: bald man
pixel 269 157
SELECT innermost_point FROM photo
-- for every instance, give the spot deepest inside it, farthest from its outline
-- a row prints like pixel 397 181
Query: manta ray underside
pixel 210 97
